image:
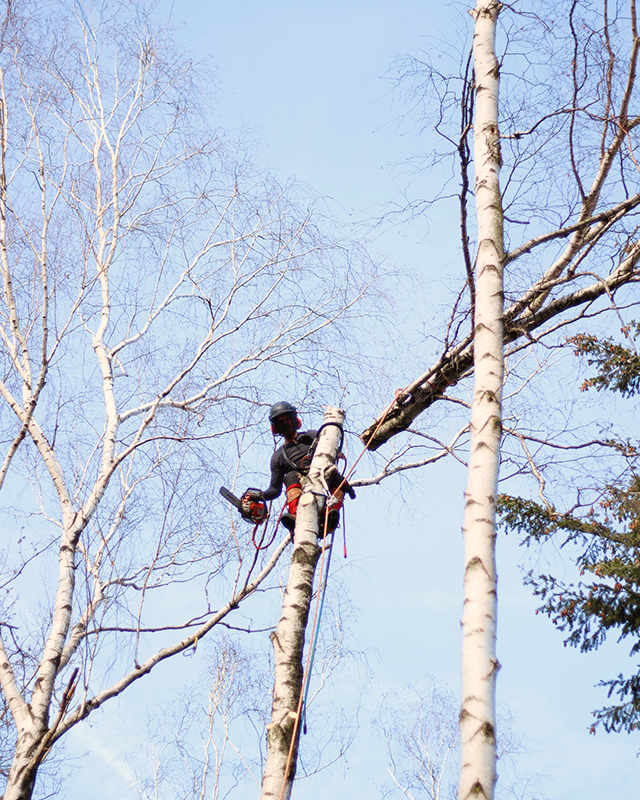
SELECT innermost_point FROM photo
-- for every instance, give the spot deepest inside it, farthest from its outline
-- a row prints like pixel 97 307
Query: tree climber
pixel 290 465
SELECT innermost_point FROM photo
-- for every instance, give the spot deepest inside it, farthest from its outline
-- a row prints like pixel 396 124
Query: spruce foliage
pixel 607 598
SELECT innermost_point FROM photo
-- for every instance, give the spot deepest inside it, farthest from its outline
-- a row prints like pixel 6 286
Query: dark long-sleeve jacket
pixel 288 458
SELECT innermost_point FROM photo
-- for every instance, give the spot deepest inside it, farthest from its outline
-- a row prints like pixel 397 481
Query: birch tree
pixel 288 638
pixel 150 278
pixel 479 662
pixel 567 136
pixel 569 128
pixel 420 728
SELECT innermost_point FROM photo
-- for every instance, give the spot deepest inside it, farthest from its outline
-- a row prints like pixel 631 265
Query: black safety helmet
pixel 281 409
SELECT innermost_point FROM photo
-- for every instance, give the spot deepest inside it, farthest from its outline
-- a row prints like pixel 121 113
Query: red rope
pixel 260 546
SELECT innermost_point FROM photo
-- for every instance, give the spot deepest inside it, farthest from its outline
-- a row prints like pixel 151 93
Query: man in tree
pixel 290 465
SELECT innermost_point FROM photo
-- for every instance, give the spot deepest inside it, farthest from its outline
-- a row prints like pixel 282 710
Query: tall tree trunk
pixel 479 663
pixel 289 635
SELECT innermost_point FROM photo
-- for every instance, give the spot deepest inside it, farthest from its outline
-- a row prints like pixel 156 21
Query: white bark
pixel 175 276
pixel 479 662
pixel 35 736
pixel 289 635
pixel 601 224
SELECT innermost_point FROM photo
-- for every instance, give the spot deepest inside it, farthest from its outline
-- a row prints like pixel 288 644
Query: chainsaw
pixel 251 505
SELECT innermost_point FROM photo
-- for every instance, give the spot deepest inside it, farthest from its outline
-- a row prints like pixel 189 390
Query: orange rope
pixel 377 428
pixel 364 449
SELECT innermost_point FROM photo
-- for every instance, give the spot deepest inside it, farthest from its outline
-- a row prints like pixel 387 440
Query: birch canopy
pixel 150 277
pixel 568 136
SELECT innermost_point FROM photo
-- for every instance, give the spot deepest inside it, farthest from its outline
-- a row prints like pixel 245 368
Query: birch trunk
pixel 479 663
pixel 289 636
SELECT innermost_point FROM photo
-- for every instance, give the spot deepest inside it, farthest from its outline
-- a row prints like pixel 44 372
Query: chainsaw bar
pixel 231 498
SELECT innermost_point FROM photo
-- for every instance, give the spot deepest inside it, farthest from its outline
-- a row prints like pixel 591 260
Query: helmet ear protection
pixel 297 423
pixel 281 409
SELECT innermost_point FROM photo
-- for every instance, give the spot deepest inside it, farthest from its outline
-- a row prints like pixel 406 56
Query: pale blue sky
pixel 309 78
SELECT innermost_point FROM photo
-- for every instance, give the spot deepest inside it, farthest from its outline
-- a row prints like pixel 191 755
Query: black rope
pixel 331 425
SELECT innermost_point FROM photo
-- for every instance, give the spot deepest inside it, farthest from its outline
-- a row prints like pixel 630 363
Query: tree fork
pixel 289 636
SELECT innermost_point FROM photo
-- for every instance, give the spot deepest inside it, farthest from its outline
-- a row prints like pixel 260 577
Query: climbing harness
pixel 293 489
